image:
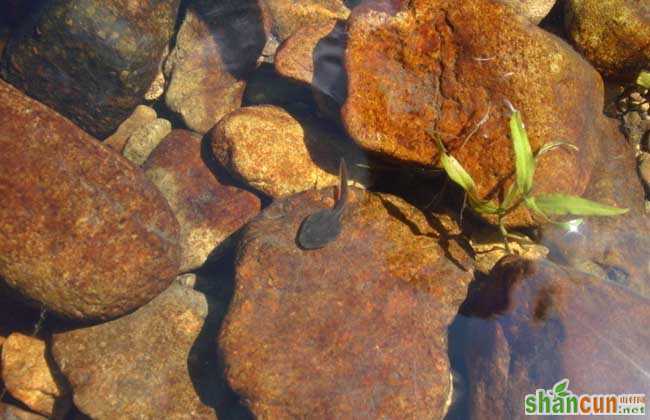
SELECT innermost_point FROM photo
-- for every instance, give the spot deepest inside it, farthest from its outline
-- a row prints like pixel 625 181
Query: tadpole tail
pixel 343 189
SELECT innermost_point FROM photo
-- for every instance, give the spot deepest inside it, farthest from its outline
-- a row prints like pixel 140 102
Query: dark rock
pixel 91 60
pixel 84 233
pixel 354 329
pixel 532 324
pixel 445 69
pixel 208 210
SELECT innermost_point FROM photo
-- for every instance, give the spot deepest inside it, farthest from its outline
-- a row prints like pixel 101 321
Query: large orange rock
pixel 357 328
pixel 446 69
pixel 84 233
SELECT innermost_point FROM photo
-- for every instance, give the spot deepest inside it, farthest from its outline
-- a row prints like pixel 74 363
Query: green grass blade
pixel 563 204
pixel 644 79
pixel 457 173
pixel 524 160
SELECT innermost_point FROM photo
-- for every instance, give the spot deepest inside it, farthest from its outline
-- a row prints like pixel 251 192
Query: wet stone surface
pixel 159 359
pixel 364 317
pixel 530 324
pixel 85 234
pixel 207 208
pixel 446 69
pixel 91 60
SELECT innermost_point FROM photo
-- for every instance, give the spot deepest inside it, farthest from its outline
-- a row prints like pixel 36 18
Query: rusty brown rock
pixel 29 378
pixel 84 232
pixel 612 34
pixel 216 47
pixel 279 153
pixel 289 16
pixel 533 324
pixel 617 247
pixel 355 329
pixel 207 210
pixel 141 116
pixel 152 361
pixel 91 60
pixel 11 412
pixel 444 69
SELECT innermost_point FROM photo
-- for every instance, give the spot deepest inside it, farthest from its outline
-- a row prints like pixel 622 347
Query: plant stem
pixel 504 234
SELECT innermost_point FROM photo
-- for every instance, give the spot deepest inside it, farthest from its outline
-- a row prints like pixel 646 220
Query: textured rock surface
pixel 145 139
pixel 289 16
pixel 612 34
pixel 355 329
pixel 207 210
pixel 155 360
pixel 533 324
pixel 83 232
pixel 91 60
pixel 295 57
pixel 535 10
pixel 279 153
pixel 216 47
pixel 141 116
pixel 10 412
pixel 29 378
pixel 445 68
pixel 617 247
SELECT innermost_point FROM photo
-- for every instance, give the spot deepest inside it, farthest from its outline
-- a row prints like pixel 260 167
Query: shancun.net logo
pixel 561 401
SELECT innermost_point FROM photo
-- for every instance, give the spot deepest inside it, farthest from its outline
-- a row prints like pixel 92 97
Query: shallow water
pixel 158 159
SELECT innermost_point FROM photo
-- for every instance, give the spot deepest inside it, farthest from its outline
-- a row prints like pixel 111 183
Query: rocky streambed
pixel 158 159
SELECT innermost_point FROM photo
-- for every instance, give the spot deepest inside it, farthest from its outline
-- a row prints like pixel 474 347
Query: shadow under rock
pixel 205 364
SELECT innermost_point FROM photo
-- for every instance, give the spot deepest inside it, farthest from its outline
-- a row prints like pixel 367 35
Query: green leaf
pixel 554 145
pixel 483 206
pixel 511 196
pixel 524 161
pixel 563 204
pixel 644 79
pixel 560 387
pixel 457 173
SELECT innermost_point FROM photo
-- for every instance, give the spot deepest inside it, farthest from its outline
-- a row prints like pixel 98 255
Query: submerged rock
pixel 28 377
pixel 91 60
pixel 289 16
pixel 612 34
pixel 217 45
pixel 357 328
pixel 279 153
pixel 11 412
pixel 445 69
pixel 141 116
pixel 533 324
pixel 145 139
pixel 155 360
pixel 85 234
pixel 207 210
pixel 535 10
pixel 614 248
